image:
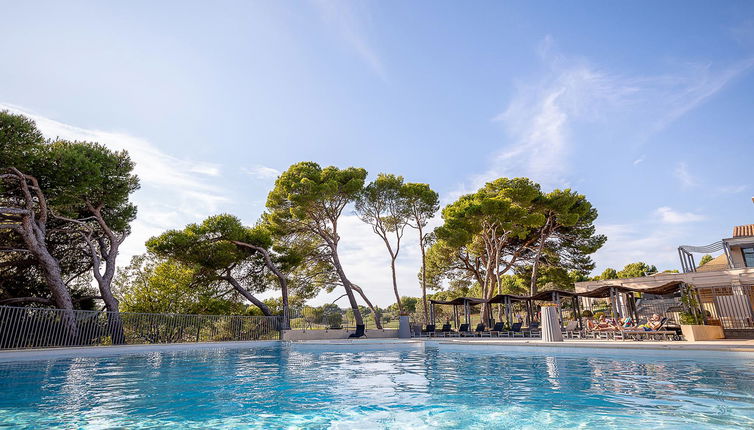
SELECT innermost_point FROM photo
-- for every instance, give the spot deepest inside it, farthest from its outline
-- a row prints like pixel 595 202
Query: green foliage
pixel 608 273
pixel 381 203
pixel 308 195
pixel 79 180
pixel 80 176
pixel 706 258
pixel 504 206
pixel 335 320
pixel 204 244
pixel 636 270
pixel 586 313
pixel 154 285
pixel 422 202
pixel 306 204
pixel 20 140
pixel 689 318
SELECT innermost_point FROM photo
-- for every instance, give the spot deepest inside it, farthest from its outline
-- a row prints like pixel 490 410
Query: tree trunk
pixel 107 253
pixel 282 280
pixel 258 303
pixel 395 287
pixel 537 257
pixel 60 295
pixel 33 231
pixel 424 276
pixel 377 322
pixel 346 285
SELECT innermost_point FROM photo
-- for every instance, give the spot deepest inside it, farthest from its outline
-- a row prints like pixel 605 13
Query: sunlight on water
pixel 344 388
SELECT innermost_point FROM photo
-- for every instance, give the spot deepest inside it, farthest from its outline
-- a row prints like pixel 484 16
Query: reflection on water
pixel 391 388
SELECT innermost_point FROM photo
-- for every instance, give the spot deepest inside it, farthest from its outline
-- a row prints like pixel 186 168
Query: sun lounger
pixel 495 331
pixel 463 330
pixel 662 333
pixel 446 331
pixel 571 330
pixel 533 330
pixel 429 331
pixel 516 330
pixel 480 329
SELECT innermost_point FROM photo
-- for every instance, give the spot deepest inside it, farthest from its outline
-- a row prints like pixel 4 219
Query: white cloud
pixel 639 241
pixel 683 175
pixel 261 172
pixel 173 191
pixel 733 189
pixel 670 216
pixel 539 119
pixel 351 25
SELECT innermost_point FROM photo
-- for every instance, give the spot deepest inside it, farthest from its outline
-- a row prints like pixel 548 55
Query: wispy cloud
pixel 646 242
pixel 173 192
pixel 683 175
pixel 539 119
pixel 670 216
pixel 350 21
pixel 675 95
pixel 261 172
pixel 733 189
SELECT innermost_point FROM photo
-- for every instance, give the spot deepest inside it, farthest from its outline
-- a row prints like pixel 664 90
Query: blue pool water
pixel 325 386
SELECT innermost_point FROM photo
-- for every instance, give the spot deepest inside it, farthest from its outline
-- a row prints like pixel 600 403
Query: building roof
pixel 718 263
pixel 743 230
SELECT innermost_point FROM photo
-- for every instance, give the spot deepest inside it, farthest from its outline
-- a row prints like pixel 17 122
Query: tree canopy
pixel 508 224
pixel 308 200
pixel 383 205
pixel 212 247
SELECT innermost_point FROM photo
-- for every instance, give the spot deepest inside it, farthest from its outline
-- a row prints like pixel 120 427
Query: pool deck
pixel 746 345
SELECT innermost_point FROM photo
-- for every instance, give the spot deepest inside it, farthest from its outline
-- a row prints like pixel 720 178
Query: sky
pixel 647 108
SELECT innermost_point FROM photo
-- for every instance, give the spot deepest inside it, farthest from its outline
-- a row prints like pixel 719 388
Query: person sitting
pixel 626 323
pixel 653 323
pixel 605 325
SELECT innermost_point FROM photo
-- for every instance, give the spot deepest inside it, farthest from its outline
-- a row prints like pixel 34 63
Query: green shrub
pixel 587 313
pixel 688 318
pixel 335 320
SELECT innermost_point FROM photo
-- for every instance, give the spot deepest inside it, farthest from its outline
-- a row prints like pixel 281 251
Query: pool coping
pixel 719 346
pixel 102 350
pixel 578 346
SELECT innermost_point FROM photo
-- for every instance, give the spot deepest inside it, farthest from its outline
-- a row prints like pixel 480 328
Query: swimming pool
pixel 379 386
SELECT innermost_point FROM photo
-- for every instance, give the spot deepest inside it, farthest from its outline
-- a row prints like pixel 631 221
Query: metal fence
pixel 646 307
pixel 44 328
pixel 731 307
pixel 311 318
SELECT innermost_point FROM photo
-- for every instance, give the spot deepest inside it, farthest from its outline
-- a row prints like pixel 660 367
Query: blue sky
pixel 645 107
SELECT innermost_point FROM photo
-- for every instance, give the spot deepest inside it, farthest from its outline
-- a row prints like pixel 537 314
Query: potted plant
pixel 693 319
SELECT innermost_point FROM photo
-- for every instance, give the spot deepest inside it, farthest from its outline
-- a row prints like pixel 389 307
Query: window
pixel 748 256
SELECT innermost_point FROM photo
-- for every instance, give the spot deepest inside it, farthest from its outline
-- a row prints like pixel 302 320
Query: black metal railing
pixel 45 328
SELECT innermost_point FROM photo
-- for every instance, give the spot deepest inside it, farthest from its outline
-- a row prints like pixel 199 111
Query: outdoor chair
pixel 571 330
pixel 429 331
pixel 533 330
pixel 496 330
pixel 480 329
pixel 446 330
pixel 516 330
pixel 463 330
pixel 661 333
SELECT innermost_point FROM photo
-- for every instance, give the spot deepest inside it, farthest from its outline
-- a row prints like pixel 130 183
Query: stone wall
pixel 335 334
